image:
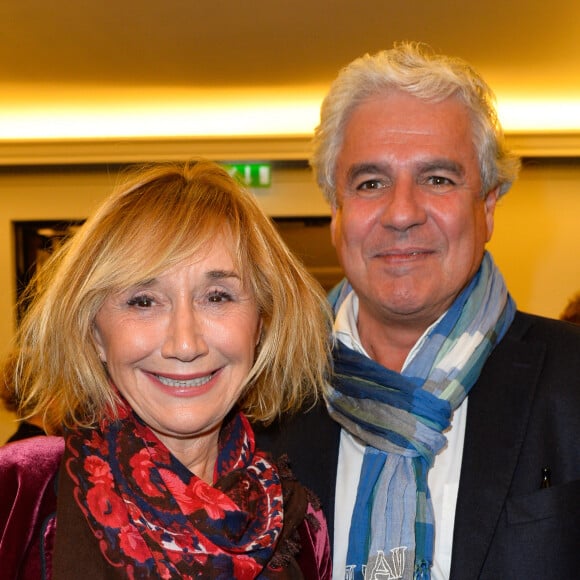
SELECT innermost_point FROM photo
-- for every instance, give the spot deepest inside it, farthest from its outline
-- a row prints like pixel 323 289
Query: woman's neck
pixel 198 454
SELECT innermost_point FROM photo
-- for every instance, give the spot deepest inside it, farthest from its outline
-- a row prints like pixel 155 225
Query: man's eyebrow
pixel 442 164
pixel 366 169
pixel 359 169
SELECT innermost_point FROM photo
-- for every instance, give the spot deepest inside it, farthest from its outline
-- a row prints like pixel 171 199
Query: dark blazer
pixel 523 414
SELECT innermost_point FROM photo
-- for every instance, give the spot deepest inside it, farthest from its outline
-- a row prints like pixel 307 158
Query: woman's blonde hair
pixel 160 215
pixel 7 394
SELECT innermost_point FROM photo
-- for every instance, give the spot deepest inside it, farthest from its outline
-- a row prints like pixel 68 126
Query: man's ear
pixel 490 203
pixel 334 212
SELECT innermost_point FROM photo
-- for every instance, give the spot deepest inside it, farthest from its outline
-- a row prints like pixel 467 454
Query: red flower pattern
pixel 159 519
pixel 142 466
pixel 197 496
pixel 107 507
pixel 132 543
pixel 98 471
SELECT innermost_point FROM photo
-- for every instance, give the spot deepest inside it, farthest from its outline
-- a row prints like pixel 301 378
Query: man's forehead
pixel 408 127
pixel 393 105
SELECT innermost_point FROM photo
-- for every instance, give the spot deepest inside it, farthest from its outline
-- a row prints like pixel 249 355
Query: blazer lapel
pixel 498 410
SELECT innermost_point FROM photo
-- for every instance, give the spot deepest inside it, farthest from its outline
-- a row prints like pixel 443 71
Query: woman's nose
pixel 185 335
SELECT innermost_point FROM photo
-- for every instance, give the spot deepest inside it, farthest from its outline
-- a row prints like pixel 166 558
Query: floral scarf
pixel 152 517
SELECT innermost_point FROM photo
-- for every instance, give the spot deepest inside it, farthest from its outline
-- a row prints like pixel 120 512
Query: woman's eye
pixel 140 301
pixel 219 296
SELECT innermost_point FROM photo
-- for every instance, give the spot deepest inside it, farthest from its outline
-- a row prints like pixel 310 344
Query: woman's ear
pixel 98 342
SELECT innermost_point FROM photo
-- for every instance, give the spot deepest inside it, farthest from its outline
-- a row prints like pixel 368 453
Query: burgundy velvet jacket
pixel 28 474
pixel 29 471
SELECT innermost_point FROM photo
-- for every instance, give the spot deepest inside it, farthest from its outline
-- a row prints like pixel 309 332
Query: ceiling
pixel 71 53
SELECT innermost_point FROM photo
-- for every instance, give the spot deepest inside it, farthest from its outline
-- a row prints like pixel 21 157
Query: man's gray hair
pixel 415 69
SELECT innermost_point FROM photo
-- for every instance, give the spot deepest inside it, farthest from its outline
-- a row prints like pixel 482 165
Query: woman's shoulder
pixel 30 461
pixel 28 472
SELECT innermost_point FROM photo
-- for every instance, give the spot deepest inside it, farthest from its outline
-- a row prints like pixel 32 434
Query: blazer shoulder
pixel 310 428
pixel 533 327
pixel 555 341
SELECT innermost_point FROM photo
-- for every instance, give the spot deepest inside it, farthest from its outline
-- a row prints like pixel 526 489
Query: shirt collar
pixel 345 328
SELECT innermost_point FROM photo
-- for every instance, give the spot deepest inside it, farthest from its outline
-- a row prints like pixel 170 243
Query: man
pixel 447 404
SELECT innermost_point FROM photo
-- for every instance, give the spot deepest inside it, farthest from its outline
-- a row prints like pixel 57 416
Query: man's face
pixel 411 222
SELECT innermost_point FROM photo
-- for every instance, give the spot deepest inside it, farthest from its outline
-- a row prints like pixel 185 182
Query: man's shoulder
pixel 547 347
pixel 302 428
pixel 524 322
pixel 553 334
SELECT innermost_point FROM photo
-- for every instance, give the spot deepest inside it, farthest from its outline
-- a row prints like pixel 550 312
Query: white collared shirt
pixel 443 477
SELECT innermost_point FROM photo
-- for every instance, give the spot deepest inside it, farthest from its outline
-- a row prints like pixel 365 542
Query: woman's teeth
pixel 188 383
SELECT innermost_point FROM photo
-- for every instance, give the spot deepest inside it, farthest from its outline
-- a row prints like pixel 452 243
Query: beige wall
pixel 536 241
pixel 26 195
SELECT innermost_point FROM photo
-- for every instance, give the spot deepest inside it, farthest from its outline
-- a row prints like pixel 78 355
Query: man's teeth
pixel 189 383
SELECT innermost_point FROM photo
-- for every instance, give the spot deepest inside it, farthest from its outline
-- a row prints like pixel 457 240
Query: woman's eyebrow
pixel 145 283
pixel 221 274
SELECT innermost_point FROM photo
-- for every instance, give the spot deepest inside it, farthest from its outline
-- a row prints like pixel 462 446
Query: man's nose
pixel 403 205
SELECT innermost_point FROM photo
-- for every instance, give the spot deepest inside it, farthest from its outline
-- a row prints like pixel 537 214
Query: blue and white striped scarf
pixel 401 418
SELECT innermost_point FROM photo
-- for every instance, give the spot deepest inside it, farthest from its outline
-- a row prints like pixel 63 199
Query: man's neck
pixel 388 344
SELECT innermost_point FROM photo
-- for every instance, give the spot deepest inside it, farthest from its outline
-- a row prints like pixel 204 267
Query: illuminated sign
pixel 250 174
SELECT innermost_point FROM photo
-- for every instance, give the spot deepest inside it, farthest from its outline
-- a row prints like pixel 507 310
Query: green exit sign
pixel 250 174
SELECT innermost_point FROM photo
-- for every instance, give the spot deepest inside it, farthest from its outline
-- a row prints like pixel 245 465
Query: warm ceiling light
pixel 557 115
pixel 50 113
pixel 157 113
pixel 193 121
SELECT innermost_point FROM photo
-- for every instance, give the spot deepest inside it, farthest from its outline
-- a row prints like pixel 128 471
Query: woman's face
pixel 180 346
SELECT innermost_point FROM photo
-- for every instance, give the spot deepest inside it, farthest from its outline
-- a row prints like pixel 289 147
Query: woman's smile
pixel 183 382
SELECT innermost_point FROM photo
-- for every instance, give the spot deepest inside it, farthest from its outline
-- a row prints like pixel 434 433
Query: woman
pixel 172 317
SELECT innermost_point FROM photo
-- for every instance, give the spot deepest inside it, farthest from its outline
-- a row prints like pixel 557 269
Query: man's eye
pixel 370 184
pixel 140 301
pixel 438 180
